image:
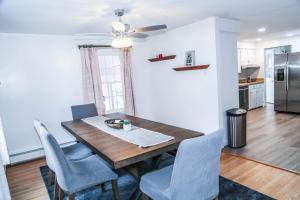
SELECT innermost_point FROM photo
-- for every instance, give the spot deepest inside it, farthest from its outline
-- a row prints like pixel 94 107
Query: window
pixel 110 69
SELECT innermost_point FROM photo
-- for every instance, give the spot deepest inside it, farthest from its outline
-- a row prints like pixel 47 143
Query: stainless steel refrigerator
pixel 287 82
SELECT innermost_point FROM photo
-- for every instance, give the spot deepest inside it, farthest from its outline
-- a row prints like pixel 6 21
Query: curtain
pixel 92 85
pixel 127 82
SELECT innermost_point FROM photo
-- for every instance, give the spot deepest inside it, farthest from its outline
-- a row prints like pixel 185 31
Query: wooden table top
pixel 119 153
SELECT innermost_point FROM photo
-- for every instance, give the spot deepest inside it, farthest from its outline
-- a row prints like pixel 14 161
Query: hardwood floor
pixel 272 138
pixel 26 182
pixel 274 182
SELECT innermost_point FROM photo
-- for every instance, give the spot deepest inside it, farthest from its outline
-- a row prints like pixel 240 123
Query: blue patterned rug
pixel 229 190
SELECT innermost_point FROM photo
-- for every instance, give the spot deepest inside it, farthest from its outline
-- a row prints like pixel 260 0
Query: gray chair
pixel 84 111
pixel 74 176
pixel 73 152
pixel 194 175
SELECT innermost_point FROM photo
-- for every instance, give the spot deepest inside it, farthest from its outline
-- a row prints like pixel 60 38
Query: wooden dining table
pixel 119 153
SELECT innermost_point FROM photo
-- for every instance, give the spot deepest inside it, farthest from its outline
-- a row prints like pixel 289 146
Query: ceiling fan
pixel 122 32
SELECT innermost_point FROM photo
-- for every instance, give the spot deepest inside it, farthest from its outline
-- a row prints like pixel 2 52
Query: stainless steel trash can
pixel 237 127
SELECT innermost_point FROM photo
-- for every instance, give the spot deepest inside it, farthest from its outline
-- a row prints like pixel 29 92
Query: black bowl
pixel 114 123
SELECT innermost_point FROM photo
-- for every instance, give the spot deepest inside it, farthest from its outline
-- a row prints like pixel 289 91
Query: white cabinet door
pixel 247 57
pixel 251 56
pixel 244 57
pixel 252 96
pixel 256 96
pixel 260 95
pixel 239 61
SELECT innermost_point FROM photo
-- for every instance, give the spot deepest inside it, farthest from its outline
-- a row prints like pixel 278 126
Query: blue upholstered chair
pixel 84 111
pixel 74 176
pixel 73 152
pixel 194 175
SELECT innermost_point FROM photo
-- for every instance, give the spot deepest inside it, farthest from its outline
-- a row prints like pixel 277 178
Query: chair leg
pixel 71 197
pixel 61 194
pixel 173 153
pixel 103 187
pixel 55 189
pixel 145 197
pixel 50 177
pixel 114 184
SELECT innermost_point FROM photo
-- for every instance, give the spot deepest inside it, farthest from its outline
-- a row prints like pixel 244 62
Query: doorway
pixel 269 75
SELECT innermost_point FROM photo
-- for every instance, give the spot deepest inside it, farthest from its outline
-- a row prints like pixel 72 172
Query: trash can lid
pixel 236 112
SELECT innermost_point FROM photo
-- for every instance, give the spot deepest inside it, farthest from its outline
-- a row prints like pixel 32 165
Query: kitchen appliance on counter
pixel 287 82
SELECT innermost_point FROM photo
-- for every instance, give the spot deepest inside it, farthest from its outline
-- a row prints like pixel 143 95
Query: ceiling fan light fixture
pixel 118 26
pixel 121 42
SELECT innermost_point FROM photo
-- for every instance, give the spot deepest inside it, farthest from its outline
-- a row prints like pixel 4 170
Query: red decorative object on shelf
pixel 186 68
pixel 161 58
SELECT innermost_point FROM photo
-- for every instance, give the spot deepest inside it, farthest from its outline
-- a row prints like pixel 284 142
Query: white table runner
pixel 138 136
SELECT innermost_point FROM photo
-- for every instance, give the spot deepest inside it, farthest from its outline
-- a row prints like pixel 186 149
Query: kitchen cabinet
pixel 256 96
pixel 252 98
pixel 251 53
pixel 246 57
pixel 260 96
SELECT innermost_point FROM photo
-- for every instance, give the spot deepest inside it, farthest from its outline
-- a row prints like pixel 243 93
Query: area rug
pixel 229 190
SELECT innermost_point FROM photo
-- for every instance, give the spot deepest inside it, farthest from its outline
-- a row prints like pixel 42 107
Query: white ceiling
pixel 95 16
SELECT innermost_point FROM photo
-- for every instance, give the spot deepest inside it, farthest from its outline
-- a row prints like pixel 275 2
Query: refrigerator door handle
pixel 287 77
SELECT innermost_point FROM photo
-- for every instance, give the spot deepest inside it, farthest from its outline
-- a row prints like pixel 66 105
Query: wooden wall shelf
pixel 187 68
pixel 163 58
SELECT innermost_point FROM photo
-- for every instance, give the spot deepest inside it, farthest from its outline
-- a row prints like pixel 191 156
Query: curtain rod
pixel 89 46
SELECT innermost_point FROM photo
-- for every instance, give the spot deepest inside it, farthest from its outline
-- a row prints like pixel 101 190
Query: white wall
pixel 188 99
pixel 40 78
pixel 227 67
pixel 294 41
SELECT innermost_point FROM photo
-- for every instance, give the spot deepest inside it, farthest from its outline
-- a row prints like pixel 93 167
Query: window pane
pixel 110 69
pixel 105 89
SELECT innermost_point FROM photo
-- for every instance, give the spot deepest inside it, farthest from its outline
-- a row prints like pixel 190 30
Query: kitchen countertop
pixel 243 83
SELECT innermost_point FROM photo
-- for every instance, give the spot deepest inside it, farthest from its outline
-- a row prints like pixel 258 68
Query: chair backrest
pixel 84 111
pixel 39 126
pixel 196 169
pixel 63 170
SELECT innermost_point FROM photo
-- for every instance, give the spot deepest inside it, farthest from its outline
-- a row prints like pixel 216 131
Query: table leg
pixel 135 172
pixel 155 161
pixel 137 194
pixel 173 153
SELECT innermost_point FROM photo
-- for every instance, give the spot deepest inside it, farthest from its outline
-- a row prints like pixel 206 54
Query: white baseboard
pixel 31 154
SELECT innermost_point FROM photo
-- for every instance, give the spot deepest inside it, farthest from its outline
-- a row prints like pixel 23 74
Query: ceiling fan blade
pixel 150 28
pixel 138 35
